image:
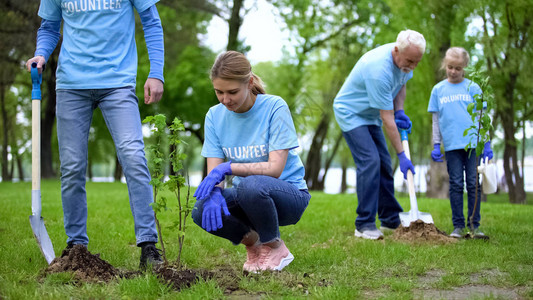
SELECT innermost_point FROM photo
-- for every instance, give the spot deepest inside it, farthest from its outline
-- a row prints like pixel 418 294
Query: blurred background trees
pixel 326 40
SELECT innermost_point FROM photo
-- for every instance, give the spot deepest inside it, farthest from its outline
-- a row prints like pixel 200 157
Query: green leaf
pixel 148 119
pixel 470 107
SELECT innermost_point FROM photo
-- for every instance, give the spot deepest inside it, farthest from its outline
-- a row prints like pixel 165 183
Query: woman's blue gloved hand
pixel 487 152
pixel 435 154
pixel 402 120
pixel 212 216
pixel 213 178
pixel 405 164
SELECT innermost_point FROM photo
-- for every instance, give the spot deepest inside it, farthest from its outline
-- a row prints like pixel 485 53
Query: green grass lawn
pixel 330 263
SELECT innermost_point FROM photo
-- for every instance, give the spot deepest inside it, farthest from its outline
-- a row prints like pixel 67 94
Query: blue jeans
pixel 260 203
pixel 375 183
pixel 120 109
pixel 461 162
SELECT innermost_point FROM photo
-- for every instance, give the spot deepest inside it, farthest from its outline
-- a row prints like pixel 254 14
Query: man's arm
pixel 153 35
pixel 392 131
pixel 394 136
pixel 47 38
pixel 402 120
pixel 399 99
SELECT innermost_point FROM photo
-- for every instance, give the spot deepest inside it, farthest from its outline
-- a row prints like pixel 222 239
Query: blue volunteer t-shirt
pixel 450 101
pixel 98 49
pixel 371 86
pixel 249 137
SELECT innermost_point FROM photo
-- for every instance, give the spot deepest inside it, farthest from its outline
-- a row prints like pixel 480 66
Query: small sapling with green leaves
pixel 482 123
pixel 168 136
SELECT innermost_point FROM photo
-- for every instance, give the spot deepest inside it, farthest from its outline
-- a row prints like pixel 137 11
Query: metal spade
pixel 36 220
pixel 407 217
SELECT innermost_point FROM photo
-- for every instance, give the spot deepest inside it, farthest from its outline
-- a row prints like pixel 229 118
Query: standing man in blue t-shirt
pixel 373 95
pixel 98 68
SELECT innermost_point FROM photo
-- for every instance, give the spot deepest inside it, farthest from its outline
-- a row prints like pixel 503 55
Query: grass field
pixel 330 263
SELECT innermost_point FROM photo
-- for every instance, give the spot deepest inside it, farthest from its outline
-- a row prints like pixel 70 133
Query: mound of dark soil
pixel 418 231
pixel 88 267
pixel 183 278
pixel 176 278
pixel 85 266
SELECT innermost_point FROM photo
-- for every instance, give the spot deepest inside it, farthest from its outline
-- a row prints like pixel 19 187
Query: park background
pixel 303 50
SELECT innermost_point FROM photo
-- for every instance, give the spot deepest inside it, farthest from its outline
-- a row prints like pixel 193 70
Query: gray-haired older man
pixel 373 95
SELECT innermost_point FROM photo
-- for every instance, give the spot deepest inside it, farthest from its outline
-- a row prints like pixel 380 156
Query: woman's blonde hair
pixel 455 53
pixel 233 65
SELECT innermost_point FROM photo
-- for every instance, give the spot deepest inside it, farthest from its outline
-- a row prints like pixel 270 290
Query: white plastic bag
pixel 490 178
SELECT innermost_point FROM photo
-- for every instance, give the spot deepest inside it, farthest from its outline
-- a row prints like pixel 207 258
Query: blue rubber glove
pixel 213 178
pixel 402 120
pixel 211 216
pixel 405 164
pixel 487 152
pixel 435 154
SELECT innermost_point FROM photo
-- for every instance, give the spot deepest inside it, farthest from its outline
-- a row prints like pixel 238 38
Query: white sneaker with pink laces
pixel 252 258
pixel 274 259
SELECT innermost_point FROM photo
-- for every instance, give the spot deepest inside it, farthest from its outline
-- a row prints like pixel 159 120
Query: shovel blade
pixel 407 217
pixel 40 233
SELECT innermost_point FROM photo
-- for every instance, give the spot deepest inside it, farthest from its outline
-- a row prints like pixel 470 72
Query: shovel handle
pixel 36 80
pixel 410 179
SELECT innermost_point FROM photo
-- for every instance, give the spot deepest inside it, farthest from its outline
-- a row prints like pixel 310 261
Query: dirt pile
pixel 88 267
pixel 418 231
pixel 176 278
pixel 85 266
pixel 183 278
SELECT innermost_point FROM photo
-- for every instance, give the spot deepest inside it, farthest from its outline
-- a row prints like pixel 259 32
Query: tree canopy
pixel 326 40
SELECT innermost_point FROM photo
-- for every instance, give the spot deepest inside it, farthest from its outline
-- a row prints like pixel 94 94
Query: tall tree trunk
pixel 49 116
pixel 235 23
pixel 12 168
pixel 322 180
pixel 524 141
pixel 344 175
pixel 5 134
pixel 515 181
pixel 90 169
pixel 437 178
pixel 314 157
pixel 118 170
pixel 20 167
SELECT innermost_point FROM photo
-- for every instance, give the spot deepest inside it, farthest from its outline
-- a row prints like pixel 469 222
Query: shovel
pixel 36 221
pixel 407 217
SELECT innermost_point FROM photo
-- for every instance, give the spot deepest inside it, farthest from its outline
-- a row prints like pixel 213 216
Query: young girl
pixel 448 103
pixel 255 133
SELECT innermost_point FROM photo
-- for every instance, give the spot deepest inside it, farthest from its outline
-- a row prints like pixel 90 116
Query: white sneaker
pixel 458 233
pixel 386 230
pixel 370 234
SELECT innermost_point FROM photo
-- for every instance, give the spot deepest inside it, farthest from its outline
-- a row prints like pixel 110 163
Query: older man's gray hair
pixel 410 37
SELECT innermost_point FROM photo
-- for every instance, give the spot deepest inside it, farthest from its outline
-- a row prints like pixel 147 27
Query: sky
pixel 261 29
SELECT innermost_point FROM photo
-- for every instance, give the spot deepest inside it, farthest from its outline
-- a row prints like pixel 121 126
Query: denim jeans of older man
pixel 260 203
pixel 375 183
pixel 461 164
pixel 120 110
